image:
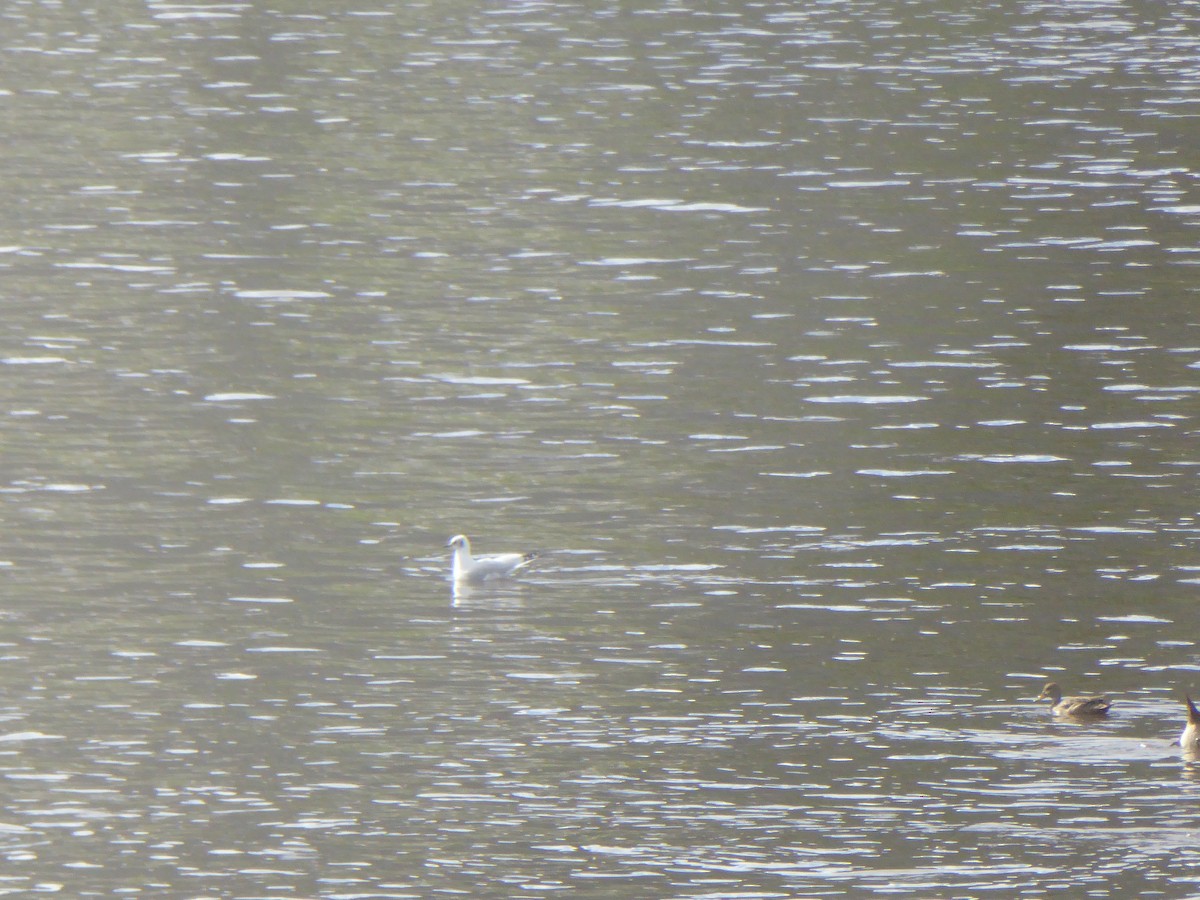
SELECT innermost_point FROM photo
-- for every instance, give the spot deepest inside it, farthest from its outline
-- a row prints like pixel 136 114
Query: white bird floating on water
pixel 468 568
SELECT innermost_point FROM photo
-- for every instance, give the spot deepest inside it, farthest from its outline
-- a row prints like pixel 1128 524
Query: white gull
pixel 469 568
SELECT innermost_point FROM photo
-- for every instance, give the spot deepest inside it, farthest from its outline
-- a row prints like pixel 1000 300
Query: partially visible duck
pixel 1190 738
pixel 1079 707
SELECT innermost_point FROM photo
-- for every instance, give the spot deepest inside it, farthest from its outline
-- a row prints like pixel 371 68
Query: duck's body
pixel 1190 738
pixel 1077 707
pixel 467 568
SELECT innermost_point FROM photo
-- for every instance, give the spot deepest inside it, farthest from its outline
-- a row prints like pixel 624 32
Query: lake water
pixel 841 359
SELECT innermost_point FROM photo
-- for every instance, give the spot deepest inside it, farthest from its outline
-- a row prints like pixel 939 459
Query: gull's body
pixel 1074 707
pixel 468 568
pixel 1190 739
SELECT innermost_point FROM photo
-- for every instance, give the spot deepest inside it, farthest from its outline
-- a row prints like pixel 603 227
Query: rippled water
pixel 841 360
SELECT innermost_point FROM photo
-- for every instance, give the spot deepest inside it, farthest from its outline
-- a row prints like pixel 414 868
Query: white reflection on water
pixel 494 595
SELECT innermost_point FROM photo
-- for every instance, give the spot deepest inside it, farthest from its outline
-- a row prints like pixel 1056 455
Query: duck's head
pixel 1051 690
pixel 459 540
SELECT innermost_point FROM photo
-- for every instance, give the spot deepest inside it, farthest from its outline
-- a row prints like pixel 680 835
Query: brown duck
pixel 1190 738
pixel 1078 707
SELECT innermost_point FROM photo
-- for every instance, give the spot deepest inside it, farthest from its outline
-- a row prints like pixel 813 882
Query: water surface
pixel 840 360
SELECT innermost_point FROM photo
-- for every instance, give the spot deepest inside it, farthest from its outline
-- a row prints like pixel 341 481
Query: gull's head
pixel 459 540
